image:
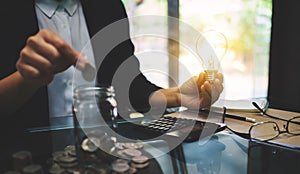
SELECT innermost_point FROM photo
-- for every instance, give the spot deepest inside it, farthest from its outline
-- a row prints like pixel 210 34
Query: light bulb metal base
pixel 210 75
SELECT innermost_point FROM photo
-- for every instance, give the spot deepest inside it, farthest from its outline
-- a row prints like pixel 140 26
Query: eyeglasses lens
pixel 264 131
pixel 294 126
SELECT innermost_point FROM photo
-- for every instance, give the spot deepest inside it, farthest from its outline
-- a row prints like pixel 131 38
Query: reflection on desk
pixel 267 158
pixel 223 153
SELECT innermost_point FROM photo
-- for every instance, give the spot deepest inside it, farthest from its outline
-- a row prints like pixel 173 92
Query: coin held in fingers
pixel 88 72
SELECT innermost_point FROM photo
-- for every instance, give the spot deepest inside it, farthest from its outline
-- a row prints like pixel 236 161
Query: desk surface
pixel 222 153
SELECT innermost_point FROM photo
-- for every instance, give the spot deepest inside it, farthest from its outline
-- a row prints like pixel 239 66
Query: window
pixel 245 23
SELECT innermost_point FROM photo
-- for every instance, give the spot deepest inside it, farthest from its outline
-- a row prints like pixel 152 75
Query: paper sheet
pixel 244 105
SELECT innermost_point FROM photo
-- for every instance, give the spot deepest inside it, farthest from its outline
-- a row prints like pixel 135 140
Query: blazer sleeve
pixel 114 53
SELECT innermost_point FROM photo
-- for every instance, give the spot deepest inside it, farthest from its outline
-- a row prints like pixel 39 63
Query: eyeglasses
pixel 268 130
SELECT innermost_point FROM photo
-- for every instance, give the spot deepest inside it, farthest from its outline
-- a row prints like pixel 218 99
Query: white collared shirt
pixel 65 18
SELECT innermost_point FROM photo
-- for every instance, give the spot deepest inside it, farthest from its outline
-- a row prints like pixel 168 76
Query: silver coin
pixel 136 115
pixel 134 145
pixel 12 172
pixel 37 169
pixel 140 166
pixel 139 145
pixel 129 145
pixel 119 146
pixel 67 159
pixel 69 148
pixel 58 153
pixel 121 154
pixel 56 170
pixel 140 159
pixel 90 144
pixel 121 161
pixel 21 159
pixel 132 152
pixel 72 153
pixel 88 72
pixel 68 165
pixel 120 167
pixel 132 170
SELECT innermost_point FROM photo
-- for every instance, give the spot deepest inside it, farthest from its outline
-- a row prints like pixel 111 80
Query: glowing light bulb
pixel 211 47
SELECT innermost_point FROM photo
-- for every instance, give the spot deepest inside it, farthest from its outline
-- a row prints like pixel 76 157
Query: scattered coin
pixel 69 148
pixel 136 115
pixel 140 159
pixel 132 152
pixel 12 172
pixel 134 145
pixel 21 159
pixel 88 144
pixel 56 170
pixel 56 155
pixel 89 171
pixel 132 170
pixel 121 161
pixel 140 166
pixel 121 154
pixel 119 166
pixel 72 153
pixel 33 169
pixel 119 146
pixel 67 159
pixel 68 165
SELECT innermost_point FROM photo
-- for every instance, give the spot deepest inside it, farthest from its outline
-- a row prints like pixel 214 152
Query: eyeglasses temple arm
pixel 263 112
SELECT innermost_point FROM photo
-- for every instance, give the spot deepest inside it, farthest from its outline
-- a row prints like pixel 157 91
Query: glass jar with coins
pixel 95 113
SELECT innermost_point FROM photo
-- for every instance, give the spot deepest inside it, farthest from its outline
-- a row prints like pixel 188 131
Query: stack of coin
pixel 120 166
pixel 133 153
pixel 33 169
pixel 128 150
pixel 67 162
pixel 70 150
pixel 56 155
pixel 12 172
pixel 56 170
pixel 133 145
pixel 140 162
pixel 64 161
pixel 21 159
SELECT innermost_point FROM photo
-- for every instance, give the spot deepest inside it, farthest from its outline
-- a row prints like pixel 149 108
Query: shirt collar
pixel 49 7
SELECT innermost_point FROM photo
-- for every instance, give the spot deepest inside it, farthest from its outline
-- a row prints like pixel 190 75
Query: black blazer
pixel 18 22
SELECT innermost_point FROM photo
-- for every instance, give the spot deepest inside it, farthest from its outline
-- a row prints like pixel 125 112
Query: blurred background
pixel 246 25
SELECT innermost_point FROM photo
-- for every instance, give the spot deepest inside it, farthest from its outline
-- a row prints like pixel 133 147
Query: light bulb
pixel 211 47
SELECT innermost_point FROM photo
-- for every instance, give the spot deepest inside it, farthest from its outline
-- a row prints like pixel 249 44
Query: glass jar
pixel 95 113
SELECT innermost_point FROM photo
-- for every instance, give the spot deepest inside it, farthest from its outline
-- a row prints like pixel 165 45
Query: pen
pixel 252 120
